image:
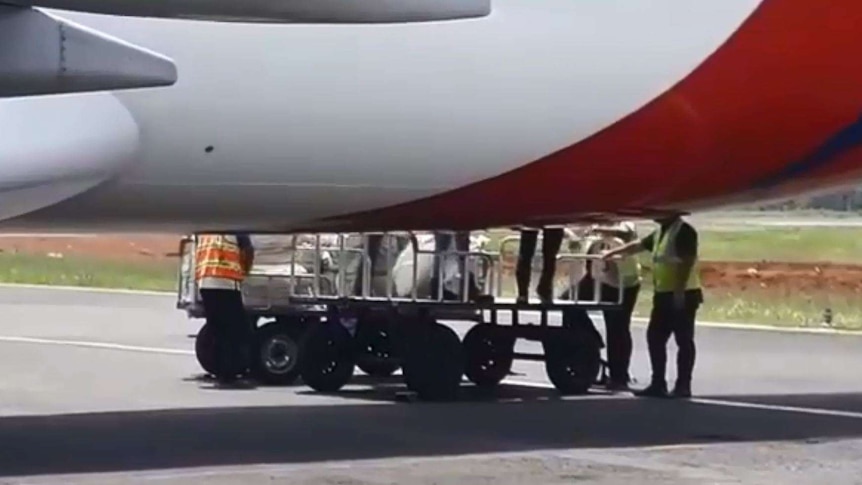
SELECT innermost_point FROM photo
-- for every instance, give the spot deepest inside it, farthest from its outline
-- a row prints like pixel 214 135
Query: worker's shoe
pixel 617 386
pixel 617 383
pixel 653 390
pixel 482 299
pixel 681 391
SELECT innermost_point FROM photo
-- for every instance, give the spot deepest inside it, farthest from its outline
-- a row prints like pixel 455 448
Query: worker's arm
pixel 631 248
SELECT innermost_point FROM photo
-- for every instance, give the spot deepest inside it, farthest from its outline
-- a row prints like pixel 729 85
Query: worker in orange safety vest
pixel 221 264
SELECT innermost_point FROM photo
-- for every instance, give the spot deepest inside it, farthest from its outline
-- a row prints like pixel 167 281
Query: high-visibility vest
pixel 666 264
pixel 218 257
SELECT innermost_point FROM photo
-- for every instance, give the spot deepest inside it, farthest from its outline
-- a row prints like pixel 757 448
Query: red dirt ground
pixel 784 277
pixel 132 248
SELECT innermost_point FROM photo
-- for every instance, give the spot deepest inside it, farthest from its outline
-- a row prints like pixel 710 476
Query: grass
pixel 836 245
pixel 769 308
pixel 765 307
pixel 86 272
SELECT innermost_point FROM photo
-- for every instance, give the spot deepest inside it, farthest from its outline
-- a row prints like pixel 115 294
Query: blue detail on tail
pixel 842 142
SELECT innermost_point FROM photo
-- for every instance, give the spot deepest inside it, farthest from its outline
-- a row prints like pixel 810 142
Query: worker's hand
pixel 679 300
pixel 607 254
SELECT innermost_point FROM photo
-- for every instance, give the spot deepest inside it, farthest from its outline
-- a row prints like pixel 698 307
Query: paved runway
pixel 103 386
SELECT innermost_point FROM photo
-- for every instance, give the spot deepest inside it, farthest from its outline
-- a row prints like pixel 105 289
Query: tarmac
pixel 102 388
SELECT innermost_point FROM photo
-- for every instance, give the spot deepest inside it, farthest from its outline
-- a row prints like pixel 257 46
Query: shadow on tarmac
pixel 125 441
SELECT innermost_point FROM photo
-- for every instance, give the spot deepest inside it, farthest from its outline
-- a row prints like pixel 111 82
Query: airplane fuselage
pixel 545 111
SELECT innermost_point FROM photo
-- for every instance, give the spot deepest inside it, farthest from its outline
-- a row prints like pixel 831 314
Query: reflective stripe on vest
pixel 664 266
pixel 218 257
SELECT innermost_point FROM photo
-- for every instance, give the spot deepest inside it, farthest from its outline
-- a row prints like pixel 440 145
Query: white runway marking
pixel 85 289
pixel 776 407
pixel 96 345
pixel 715 402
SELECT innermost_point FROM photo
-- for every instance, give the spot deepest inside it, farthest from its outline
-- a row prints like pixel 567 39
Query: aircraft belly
pixel 418 107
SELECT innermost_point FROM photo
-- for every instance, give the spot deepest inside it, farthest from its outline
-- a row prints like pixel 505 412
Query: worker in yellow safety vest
pixel 622 275
pixel 221 263
pixel 677 297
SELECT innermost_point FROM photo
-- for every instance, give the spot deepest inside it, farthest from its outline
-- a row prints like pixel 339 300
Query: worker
pixel 552 239
pixel 221 264
pixel 677 297
pixel 625 275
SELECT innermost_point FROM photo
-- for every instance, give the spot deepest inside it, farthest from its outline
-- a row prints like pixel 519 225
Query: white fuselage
pixel 273 125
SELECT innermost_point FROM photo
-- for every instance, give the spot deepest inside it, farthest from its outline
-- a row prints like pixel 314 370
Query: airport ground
pixel 102 388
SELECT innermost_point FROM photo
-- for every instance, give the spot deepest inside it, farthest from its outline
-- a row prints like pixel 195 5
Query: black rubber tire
pixel 205 349
pixel 375 346
pixel 488 355
pixel 327 360
pixel 572 364
pixel 434 362
pixel 276 355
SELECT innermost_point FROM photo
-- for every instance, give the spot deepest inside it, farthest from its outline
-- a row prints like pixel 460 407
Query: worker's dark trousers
pixel 551 241
pixel 618 325
pixel 665 320
pixel 225 313
pixel 462 243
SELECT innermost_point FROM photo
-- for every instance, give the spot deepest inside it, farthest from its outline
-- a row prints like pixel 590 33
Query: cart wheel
pixel 434 362
pixel 375 346
pixel 572 364
pixel 205 349
pixel 327 358
pixel 276 357
pixel 489 355
pixel 294 326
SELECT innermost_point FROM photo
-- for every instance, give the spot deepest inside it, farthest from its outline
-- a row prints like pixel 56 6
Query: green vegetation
pixel 771 308
pixel 836 245
pixel 86 272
